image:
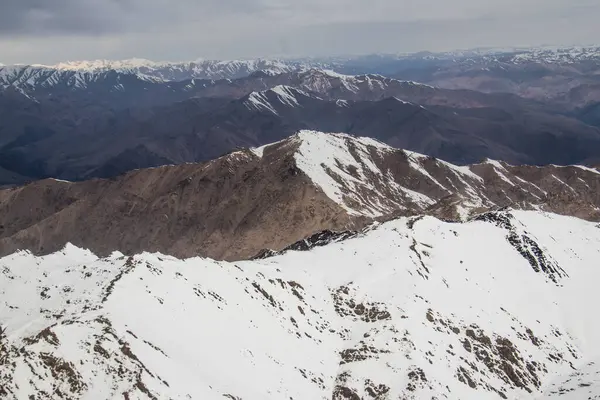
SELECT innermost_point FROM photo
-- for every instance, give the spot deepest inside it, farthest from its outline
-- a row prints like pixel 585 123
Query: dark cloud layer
pixel 48 31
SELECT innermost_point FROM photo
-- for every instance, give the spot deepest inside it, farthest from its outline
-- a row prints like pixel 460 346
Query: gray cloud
pixel 50 31
pixel 36 17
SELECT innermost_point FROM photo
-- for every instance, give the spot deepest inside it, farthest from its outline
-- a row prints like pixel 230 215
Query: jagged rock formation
pixel 414 308
pixel 270 197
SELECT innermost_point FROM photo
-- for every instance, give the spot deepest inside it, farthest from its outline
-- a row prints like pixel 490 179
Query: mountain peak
pixel 271 99
pixel 245 199
pixel 371 179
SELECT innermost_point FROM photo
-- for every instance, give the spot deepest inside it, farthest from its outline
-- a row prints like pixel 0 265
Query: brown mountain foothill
pixel 235 206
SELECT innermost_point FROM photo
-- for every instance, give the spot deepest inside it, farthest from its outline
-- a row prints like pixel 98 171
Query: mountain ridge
pixel 271 197
pixel 103 133
pixel 412 308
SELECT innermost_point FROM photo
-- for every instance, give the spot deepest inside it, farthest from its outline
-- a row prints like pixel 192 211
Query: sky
pixel 51 31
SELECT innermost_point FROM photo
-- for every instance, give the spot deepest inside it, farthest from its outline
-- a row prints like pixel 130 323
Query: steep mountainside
pixel 270 197
pixel 53 139
pixel 496 308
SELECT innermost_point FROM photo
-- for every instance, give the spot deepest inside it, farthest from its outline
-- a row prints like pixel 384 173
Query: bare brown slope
pixel 235 206
pixel 229 208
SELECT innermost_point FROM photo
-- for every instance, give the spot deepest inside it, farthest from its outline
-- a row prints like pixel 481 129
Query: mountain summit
pixel 272 196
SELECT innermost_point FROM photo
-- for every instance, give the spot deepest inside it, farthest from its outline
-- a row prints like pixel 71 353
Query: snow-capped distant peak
pixel 334 74
pixel 270 100
pixel 50 75
pixel 101 65
pixel 258 101
pixel 288 94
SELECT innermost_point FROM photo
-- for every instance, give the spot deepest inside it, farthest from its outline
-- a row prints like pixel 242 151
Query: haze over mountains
pixel 379 227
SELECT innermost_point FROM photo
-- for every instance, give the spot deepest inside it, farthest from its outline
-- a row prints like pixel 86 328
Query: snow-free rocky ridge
pixel 500 307
pixel 270 197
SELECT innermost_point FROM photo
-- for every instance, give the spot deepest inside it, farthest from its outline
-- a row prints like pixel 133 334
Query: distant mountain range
pixel 103 132
pixel 102 118
pixel 79 73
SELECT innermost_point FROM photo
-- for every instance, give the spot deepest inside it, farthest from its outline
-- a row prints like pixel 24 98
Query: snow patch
pixel 355 184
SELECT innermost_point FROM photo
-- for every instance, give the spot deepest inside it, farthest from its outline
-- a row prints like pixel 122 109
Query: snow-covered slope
pixel 499 307
pixel 332 85
pixel 371 179
pixel 270 100
pixel 79 74
pixel 346 170
pixel 199 69
pixel 32 78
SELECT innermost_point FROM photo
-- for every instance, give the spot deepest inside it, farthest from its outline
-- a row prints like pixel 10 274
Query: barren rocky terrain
pixel 234 207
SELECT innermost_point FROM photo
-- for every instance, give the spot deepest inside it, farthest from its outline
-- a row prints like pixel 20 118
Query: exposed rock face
pixel 268 198
pixel 410 309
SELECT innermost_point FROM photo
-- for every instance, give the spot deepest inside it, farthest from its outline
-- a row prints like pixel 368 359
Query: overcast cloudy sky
pixel 49 31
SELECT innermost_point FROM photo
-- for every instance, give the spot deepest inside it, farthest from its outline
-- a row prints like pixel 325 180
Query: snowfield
pixel 416 308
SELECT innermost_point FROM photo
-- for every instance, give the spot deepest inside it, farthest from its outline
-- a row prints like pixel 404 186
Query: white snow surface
pixel 583 167
pixel 271 100
pixel 498 168
pixel 404 308
pixel 342 166
pixel 286 94
pixel 259 101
